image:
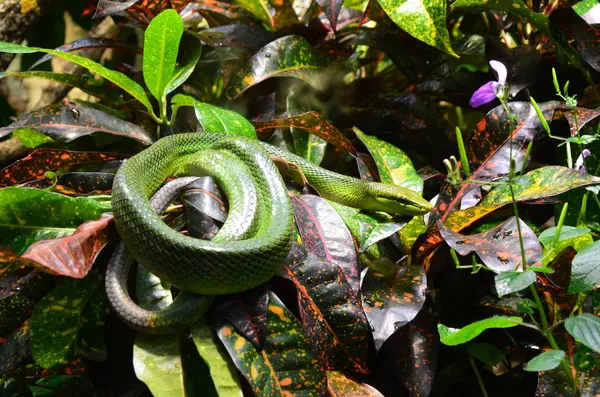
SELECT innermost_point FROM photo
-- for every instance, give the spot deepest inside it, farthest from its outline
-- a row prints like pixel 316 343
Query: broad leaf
pixel 66 121
pixel 161 44
pixel 275 14
pixel 31 138
pixel 76 183
pixel 215 119
pixel 110 7
pixel 118 78
pixel 585 328
pixel 578 117
pixel 585 269
pixel 545 361
pixel 286 366
pixel 486 353
pixel 331 314
pixel 324 233
pixel 422 19
pixel 392 296
pixel 289 56
pixel 498 247
pixel 332 10
pixel 339 385
pixel 57 318
pixel 395 167
pixel 247 312
pixel 457 336
pixel 509 282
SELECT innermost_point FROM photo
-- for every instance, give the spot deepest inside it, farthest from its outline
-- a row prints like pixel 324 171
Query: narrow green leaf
pixel 161 44
pixel 545 361
pixel 31 138
pixel 183 72
pixel 223 372
pixel 486 353
pixel 425 20
pixel 118 78
pixel 215 119
pixel 457 336
pixel 585 269
pixel 585 328
pixel 509 282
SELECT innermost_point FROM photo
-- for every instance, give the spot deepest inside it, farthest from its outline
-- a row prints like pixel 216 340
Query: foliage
pixel 492 292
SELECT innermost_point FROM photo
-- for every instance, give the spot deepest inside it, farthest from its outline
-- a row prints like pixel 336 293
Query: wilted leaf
pixel 545 361
pixel 339 385
pixel 324 233
pixel 66 121
pixel 498 247
pixel 392 296
pixel 289 56
pixel 585 270
pixel 331 314
pixel 457 336
pixel 286 365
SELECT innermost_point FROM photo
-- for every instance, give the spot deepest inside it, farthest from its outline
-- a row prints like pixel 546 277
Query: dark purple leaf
pixel 76 183
pixel 107 8
pixel 332 10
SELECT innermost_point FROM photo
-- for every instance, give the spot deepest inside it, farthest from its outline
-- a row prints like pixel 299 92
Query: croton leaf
pixel 29 215
pixel 311 122
pixel 331 314
pixel 498 247
pixel 245 37
pixel 14 350
pixel 423 19
pixel 75 183
pixel 585 270
pixel 289 56
pixel 108 7
pixel 286 366
pixel 555 383
pixel 454 336
pixel 578 117
pixel 324 233
pixel 394 166
pixel 72 255
pixel 57 317
pixel 93 318
pixel 332 10
pixel 275 14
pixel 66 121
pixel 392 296
pixel 340 385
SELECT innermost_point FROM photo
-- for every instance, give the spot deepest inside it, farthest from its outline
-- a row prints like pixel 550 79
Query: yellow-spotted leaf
pixel 340 385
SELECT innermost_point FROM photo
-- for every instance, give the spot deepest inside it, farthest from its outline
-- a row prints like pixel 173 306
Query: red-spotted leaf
pixel 498 247
pixel 340 385
pixel 66 121
pixel 331 314
pixel 554 383
pixel 14 351
pixel 289 56
pixel 38 162
pixel 286 366
pixel 324 233
pixel 73 255
pixel 578 117
pixel 76 183
pixel 332 10
pixel 394 165
pixel 392 296
pixel 310 122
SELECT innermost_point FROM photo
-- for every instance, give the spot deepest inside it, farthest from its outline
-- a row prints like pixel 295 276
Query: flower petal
pixel 500 71
pixel 484 94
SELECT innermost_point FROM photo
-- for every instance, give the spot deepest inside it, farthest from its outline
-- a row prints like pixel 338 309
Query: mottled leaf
pixel 585 270
pixel 393 164
pixel 457 336
pixel 66 121
pixel 16 350
pixel 93 318
pixel 392 296
pixel 324 233
pixel 216 119
pixel 247 312
pixel 578 117
pixel 73 255
pixel 76 183
pixel 57 318
pixel 339 385
pixel 31 138
pixel 331 314
pixel 286 366
pixel 423 19
pixel 311 122
pixel 161 44
pixel 554 383
pixel 275 14
pixel 498 247
pixel 545 361
pixel 289 56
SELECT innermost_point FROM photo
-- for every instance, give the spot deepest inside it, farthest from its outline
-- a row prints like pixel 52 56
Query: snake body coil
pixel 255 239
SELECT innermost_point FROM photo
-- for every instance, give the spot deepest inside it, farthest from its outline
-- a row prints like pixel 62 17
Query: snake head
pixel 396 200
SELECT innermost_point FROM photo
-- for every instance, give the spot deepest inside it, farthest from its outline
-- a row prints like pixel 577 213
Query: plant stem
pixel 516 211
pixel 479 380
pixel 463 153
pixel 561 221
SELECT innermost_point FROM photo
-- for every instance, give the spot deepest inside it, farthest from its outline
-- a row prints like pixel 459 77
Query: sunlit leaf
pixel 509 282
pixel 454 336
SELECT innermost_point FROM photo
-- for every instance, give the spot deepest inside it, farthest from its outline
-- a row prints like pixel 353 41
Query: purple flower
pixel 492 89
pixel 579 162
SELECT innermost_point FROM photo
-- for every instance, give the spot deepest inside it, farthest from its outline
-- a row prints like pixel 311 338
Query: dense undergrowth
pixel 485 107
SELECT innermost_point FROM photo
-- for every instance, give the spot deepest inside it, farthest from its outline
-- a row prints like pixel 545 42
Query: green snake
pixel 253 242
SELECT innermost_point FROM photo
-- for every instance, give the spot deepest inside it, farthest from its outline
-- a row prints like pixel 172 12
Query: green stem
pixel 569 155
pixel 463 153
pixel 561 221
pixel 479 380
pixel 516 211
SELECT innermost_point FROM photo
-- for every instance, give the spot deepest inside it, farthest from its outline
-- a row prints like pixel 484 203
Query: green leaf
pixel 578 238
pixel 585 328
pixel 289 56
pixel 545 361
pixel 486 353
pixel 215 119
pixel 567 233
pixel 394 166
pixel 425 20
pixel 183 72
pixel 457 336
pixel 161 44
pixel 585 269
pixel 56 320
pixel 31 138
pixel 118 78
pixel 222 371
pixel 275 14
pixel 29 215
pixel 509 282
